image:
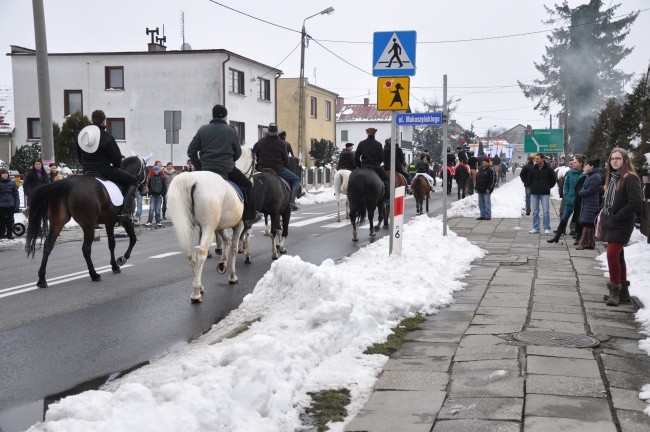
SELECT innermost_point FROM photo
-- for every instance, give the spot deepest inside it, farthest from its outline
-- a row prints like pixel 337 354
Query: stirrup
pixel 125 217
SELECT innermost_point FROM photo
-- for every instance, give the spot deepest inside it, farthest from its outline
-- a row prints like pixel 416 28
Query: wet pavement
pixel 465 371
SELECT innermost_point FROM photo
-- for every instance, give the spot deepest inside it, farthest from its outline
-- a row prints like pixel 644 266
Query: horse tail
pixel 44 200
pixel 180 197
pixel 417 187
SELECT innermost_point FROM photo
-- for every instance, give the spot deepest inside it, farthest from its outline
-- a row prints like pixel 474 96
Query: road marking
pixel 313 220
pixel 337 224
pixel 61 279
pixel 53 279
pixel 165 255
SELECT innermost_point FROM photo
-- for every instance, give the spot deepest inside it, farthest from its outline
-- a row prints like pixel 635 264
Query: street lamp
pixel 301 104
pixel 472 128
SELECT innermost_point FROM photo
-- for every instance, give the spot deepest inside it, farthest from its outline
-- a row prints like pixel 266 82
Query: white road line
pixel 165 255
pixel 341 224
pixel 33 286
pixel 53 279
pixel 313 220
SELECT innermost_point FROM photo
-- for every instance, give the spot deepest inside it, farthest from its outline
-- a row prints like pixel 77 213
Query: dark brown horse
pixel 272 197
pixel 365 194
pixel 400 180
pixel 463 179
pixel 87 201
pixel 421 192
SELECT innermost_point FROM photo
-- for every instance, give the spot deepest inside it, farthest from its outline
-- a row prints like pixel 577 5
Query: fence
pixel 316 178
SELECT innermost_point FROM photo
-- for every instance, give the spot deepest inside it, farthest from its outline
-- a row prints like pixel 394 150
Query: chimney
pixel 366 101
pixel 154 47
pixel 339 103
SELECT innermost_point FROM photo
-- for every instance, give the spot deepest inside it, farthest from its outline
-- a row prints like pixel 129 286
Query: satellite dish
pixel 186 47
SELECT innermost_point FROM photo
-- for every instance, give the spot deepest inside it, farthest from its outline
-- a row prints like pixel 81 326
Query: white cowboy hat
pixel 89 138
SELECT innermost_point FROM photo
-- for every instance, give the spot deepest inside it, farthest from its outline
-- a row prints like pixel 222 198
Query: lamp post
pixel 472 128
pixel 301 103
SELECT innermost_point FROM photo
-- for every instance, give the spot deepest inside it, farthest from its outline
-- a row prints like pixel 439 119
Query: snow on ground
pixel 308 326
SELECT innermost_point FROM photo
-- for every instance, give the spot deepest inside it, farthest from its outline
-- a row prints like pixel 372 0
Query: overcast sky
pixel 482 73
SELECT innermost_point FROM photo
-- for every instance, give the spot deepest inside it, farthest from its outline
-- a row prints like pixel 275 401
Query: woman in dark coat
pixel 589 196
pixel 34 177
pixel 9 203
pixel 623 199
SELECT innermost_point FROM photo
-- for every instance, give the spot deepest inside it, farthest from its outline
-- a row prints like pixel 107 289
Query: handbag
pixel 600 225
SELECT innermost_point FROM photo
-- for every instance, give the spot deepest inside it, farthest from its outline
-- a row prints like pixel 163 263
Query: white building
pixel 135 88
pixel 6 124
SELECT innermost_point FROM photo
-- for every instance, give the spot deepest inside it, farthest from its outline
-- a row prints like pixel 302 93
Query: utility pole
pixel 445 173
pixel 43 72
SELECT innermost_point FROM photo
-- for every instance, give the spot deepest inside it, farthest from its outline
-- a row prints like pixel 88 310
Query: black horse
pixel 271 196
pixel 87 201
pixel 365 193
pixel 463 180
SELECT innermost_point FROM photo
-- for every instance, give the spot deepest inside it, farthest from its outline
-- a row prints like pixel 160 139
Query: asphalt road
pixel 78 332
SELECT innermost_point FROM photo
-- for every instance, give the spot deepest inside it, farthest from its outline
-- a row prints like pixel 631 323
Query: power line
pixel 254 17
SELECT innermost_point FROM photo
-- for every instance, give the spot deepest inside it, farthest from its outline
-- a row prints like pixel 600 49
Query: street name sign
pixel 419 119
pixel 393 93
pixel 544 141
pixel 393 53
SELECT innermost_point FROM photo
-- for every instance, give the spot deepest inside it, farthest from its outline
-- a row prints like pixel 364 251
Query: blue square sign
pixel 393 53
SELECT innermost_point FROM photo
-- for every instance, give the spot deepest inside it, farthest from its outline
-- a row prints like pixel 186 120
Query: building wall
pixel 190 82
pixel 288 109
pixel 6 148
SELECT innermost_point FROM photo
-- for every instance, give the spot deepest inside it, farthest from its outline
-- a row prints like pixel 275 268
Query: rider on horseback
pixel 272 153
pixel 99 155
pixel 216 147
pixel 422 169
pixel 370 154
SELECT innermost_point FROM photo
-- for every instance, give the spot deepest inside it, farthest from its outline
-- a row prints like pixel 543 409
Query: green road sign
pixel 544 141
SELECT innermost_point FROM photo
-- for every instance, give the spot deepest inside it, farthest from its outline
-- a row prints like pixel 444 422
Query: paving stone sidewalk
pixel 464 370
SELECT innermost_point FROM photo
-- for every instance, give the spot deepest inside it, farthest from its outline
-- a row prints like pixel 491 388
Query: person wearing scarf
pixel 34 177
pixel 623 199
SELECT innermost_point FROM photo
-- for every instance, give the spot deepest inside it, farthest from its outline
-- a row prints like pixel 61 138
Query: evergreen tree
pixel 603 131
pixel 579 67
pixel 65 144
pixel 25 157
pixel 322 152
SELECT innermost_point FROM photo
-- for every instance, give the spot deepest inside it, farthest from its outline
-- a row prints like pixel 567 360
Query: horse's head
pixel 137 167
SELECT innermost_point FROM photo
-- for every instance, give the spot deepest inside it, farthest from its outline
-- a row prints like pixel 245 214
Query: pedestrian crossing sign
pixel 393 53
pixel 393 93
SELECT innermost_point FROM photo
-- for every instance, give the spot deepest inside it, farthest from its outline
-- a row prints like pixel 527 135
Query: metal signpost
pixel 172 126
pixel 394 57
pixel 544 141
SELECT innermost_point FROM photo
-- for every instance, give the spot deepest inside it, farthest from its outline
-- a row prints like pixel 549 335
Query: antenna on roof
pixel 152 33
pixel 185 46
pixel 163 39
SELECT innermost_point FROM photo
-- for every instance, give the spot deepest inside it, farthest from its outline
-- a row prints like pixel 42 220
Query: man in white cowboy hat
pixel 272 153
pixel 99 155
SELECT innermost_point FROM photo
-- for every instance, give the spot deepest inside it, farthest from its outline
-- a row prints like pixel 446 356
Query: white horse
pixel 205 199
pixel 341 187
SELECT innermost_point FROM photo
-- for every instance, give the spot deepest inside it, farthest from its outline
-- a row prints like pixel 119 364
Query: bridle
pixel 141 173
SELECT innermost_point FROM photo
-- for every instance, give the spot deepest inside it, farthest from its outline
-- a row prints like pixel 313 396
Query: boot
pixel 558 233
pixel 292 203
pixel 585 242
pixel 624 295
pixel 578 235
pixel 301 192
pixel 250 216
pixel 125 212
pixel 614 294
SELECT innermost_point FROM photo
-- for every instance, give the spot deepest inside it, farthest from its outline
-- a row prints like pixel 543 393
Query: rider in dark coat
pixel 451 158
pixel 400 160
pixel 346 158
pixel 216 147
pixel 370 154
pixel 104 160
pixel 272 153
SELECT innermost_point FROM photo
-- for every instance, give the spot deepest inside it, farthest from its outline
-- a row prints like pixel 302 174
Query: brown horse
pixel 400 180
pixel 498 170
pixel 87 201
pixel 365 194
pixel 421 192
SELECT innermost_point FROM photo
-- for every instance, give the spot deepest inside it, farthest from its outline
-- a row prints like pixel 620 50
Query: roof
pixel 22 51
pixel 7 122
pixel 362 113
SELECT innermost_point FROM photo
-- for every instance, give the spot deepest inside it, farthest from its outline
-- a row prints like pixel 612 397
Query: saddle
pixel 114 191
pixel 272 171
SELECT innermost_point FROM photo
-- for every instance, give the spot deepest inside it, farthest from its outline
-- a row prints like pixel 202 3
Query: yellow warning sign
pixel 393 93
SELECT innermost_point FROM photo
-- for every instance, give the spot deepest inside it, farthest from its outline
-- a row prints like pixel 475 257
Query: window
pixel 265 89
pixel 261 132
pixel 313 107
pixel 72 102
pixel 114 77
pixel 344 135
pixel 33 128
pixel 241 130
pixel 236 84
pixel 116 127
pixel 328 110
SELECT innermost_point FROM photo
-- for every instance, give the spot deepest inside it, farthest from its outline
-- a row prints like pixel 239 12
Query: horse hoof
pixel 235 282
pixel 121 261
pixel 96 278
pixel 217 251
pixel 247 260
pixel 221 268
pixel 275 257
pixel 197 300
pixel 42 284
pixel 117 270
pixel 209 255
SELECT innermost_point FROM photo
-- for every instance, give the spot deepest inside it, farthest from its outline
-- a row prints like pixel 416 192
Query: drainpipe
pixel 223 77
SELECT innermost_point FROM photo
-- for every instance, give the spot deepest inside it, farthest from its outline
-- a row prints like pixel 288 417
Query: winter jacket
pixel 346 159
pixel 590 197
pixel 156 185
pixel 628 200
pixel 524 174
pixel 485 180
pixel 9 197
pixel 462 157
pixel 169 176
pixel 472 161
pixel 32 181
pixel 451 159
pixel 570 181
pixel 541 179
pixel 422 166
pixel 272 153
pixel 107 154
pixel 215 147
pixel 399 158
pixel 369 152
